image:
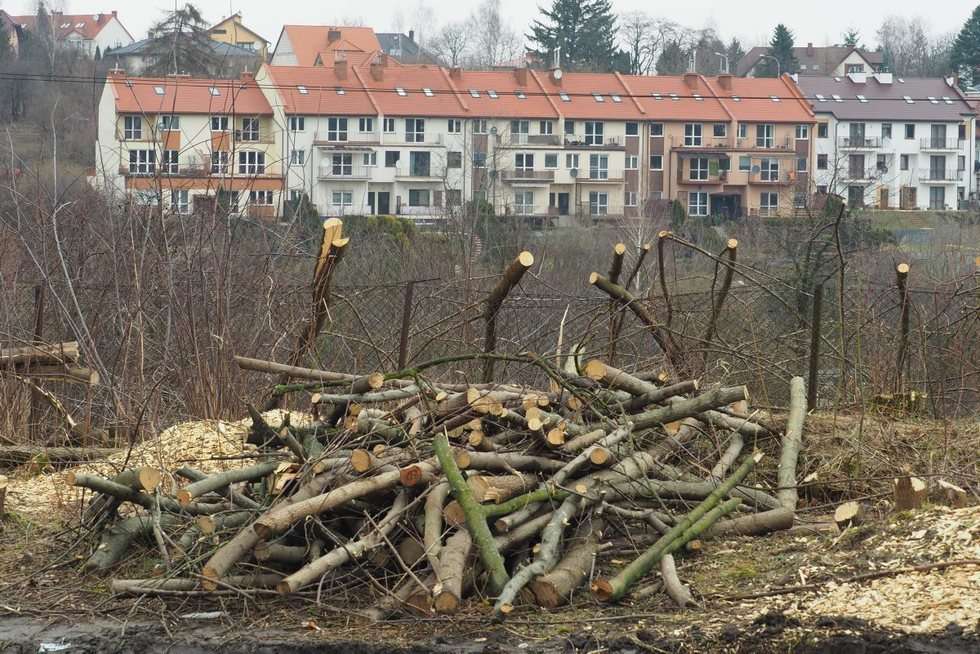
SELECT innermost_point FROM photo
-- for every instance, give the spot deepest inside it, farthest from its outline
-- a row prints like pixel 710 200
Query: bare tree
pixel 495 43
pixel 451 44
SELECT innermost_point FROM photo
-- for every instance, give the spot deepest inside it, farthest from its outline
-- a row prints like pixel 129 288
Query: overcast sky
pixel 820 22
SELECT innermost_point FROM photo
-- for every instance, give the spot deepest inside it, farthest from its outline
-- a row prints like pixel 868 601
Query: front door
pixel 937 197
pixel 563 204
pixel 371 202
pixel 384 203
pixel 883 198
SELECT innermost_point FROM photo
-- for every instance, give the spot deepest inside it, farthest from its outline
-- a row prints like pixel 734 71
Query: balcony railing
pixel 343 138
pixel 579 140
pixel 329 172
pixel 599 211
pixel 860 142
pixel 755 143
pixel 524 174
pixel 861 174
pixel 947 176
pixel 782 177
pixel 600 175
pixel 262 138
pixel 430 172
pixel 532 139
pixel 930 143
pixel 705 142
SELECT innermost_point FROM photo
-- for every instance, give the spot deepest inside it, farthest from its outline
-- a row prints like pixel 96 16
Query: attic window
pixel 564 97
pixel 79 25
pixel 617 99
pixel 908 99
pixel 492 94
pixel 861 98
pixel 158 90
pixel 400 91
pixel 821 98
pixel 736 98
pixel 775 98
pixel 341 91
pixel 837 98
pixel 428 92
pixel 657 96
pixel 901 80
pixel 933 100
pixel 474 93
pixel 698 97
pixel 836 79
pixel 215 91
pixel 521 95
pixel 302 90
pixel 65 26
pixel 947 100
pixel 598 97
pixel 673 96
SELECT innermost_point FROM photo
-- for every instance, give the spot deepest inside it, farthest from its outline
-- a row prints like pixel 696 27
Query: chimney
pixel 456 72
pixel 725 81
pixel 333 36
pixel 810 50
pixel 521 75
pixel 411 35
pixel 377 69
pixel 691 80
pixel 115 14
pixel 340 65
pixel 247 76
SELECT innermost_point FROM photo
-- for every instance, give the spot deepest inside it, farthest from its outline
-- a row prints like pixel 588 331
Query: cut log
pixel 512 277
pixel 451 572
pixel 497 489
pixel 39 355
pixel 849 514
pixel 955 496
pixel 224 479
pixel 15 455
pixel 677 591
pixel 556 587
pixel 178 585
pixel 792 441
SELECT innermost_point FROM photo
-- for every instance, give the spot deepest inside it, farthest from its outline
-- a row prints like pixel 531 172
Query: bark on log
pixel 680 409
pixel 555 588
pixel 792 441
pixel 627 300
pixel 117 539
pixel 12 456
pixel 39 355
pixel 755 524
pixel 234 497
pixel 451 571
pixel 224 479
pixel 512 277
pixel 127 494
pixel 677 591
pixel 178 585
pixel 618 379
pixel 432 530
pixel 660 395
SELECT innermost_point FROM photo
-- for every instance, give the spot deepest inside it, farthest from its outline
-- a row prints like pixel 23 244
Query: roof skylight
pixel 673 96
pixel 947 99
pixel 564 97
pixel 158 90
pixel 933 100
pixel 657 96
pixel 400 91
pixel 303 90
pixel 821 98
pixel 598 97
pixel 698 97
pixel 837 98
pixel 428 92
pixel 492 94
pixel 615 98
pixel 214 91
pixel 861 98
pixel 775 98
pixel 341 91
pixel 521 95
pixel 736 98
pixel 474 93
pixel 908 99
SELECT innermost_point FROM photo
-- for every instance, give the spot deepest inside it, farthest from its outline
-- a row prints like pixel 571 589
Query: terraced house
pixel 189 143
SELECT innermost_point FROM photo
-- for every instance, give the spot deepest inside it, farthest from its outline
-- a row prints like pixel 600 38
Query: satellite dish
pixel 557 74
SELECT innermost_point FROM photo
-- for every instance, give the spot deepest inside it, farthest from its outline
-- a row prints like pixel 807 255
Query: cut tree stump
pixel 910 493
pixel 849 514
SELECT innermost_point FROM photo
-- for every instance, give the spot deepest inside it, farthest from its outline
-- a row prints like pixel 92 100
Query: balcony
pixel 426 139
pixel 711 177
pixel 524 175
pixel 948 176
pixel 514 140
pixel 940 145
pixel 324 140
pixel 420 173
pixel 530 210
pixel 704 143
pixel 329 172
pixel 755 143
pixel 859 143
pixel 589 142
pixel 861 174
pixel 261 138
pixel 600 211
pixel 775 178
pixel 600 176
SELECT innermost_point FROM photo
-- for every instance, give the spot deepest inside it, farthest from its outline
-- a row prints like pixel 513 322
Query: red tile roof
pixel 506 86
pixel 590 95
pixel 321 97
pixel 310 41
pixel 656 95
pixel 186 95
pixel 445 100
pixel 87 25
pixel 755 101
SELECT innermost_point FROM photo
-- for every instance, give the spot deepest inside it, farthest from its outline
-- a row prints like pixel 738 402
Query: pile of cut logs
pixel 407 494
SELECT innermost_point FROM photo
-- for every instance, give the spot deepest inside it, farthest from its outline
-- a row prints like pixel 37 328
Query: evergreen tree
pixel 98 53
pixel 180 44
pixel 852 38
pixel 673 59
pixel 583 31
pixel 735 52
pixel 965 55
pixel 6 49
pixel 780 49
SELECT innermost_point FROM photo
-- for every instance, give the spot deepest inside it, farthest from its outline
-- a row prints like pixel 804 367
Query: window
pixel 571 161
pixel 523 161
pixel 415 130
pixel 418 198
pixel 520 127
pixel 479 159
pixel 656 162
pixel 598 203
pixel 142 162
pixel 551 161
pixel 454 197
pixel 743 131
pixel 692 134
pixel 392 158
pixel 961 162
pixel 219 163
pixel 632 162
pixel 389 125
pixel 132 128
pixel 886 130
pixel 910 131
pixel 214 91
pixel 822 189
pixel 420 164
pixel 147 198
pixel 598 166
pixel 297 158
pixel 656 129
pixel 630 198
pixel 219 123
pixel 801 165
pixel 904 162
pixel 745 163
pixel 454 126
pixel 853 68
pixel 297 123
pixel 169 124
pixel 427 92
pixel 802 132
pixel 632 129
pixel 769 170
pixel 765 135
pixel 454 159
pixel 593 132
pixel 962 132
pixel 524 202
pixel 251 163
pixel 342 164
pixel 768 203
pixel 569 127
pixel 480 126
pixel 564 96
pixel 598 97
pixel 474 93
pixel 365 125
pixel 799 200
pixel 493 94
pixel 881 163
pixel 250 129
pixel 697 203
pixel 342 199
pixel 822 162
pixel 400 91
pixel 546 127
pixel 336 129
pixel 699 169
pixel 719 130
pixel 823 131
pixel 180 202
pixel 302 89
pixel 262 198
pixel 370 159
pixel 171 162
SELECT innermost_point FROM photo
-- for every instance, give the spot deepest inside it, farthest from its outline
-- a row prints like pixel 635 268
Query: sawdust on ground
pixel 912 602
pixel 207 445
